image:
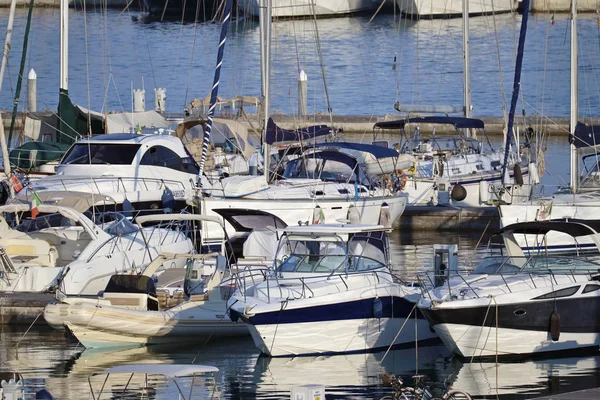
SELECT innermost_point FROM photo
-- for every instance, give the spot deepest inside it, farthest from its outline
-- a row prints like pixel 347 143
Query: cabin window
pixel 590 288
pixel 160 156
pixel 101 153
pixel 558 293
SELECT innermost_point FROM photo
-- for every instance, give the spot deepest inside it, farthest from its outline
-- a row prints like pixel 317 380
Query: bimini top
pixel 572 227
pixel 458 122
pixel 168 370
pixel 376 151
pixel 585 135
pixel 276 134
pixel 331 229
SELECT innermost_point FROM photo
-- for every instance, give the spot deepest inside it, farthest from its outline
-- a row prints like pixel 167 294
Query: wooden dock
pixel 587 394
pixel 448 218
pixel 23 308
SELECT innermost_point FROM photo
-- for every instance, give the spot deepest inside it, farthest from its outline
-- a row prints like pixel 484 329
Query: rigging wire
pixel 320 53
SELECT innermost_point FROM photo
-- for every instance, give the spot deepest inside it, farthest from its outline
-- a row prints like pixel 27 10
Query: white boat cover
pixel 261 244
pixel 125 122
pixel 168 370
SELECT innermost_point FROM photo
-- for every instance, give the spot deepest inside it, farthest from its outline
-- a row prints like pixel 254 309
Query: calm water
pixel 111 53
pixel 47 357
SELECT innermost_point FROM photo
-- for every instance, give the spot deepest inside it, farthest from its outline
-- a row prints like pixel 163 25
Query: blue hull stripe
pixel 391 307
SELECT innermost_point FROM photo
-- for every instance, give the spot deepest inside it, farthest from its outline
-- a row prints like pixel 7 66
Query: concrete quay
pixel 555 126
pixel 587 394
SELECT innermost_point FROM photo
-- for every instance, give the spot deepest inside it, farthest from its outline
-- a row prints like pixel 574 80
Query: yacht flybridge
pixel 516 305
pixel 333 293
pixel 138 169
pixel 458 169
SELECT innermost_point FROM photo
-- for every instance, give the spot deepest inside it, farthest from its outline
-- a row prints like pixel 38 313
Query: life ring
pixel 401 181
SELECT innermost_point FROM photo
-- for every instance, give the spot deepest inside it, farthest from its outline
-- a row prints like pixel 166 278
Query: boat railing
pixel 428 281
pixel 303 283
pixel 145 184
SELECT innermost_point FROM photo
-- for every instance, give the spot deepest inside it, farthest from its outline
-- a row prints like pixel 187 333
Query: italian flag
pixel 35 202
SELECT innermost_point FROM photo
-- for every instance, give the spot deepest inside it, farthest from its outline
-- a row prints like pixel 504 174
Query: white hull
pixel 454 7
pixel 326 337
pixel 107 326
pixel 294 211
pixel 308 8
pixel 475 341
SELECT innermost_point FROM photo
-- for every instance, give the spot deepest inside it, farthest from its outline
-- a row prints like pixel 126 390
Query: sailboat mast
pixel 466 61
pixel 266 67
pixel 215 87
pixel 64 45
pixel 9 28
pixel 516 87
pixel 574 93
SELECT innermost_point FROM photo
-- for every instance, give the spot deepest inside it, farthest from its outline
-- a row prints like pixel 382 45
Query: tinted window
pixel 559 293
pixel 101 153
pixel 160 156
pixel 591 288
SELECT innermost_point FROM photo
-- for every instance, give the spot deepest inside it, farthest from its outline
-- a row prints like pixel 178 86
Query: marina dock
pixel 587 394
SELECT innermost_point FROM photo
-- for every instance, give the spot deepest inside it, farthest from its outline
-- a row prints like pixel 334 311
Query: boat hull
pixel 307 8
pixel 454 8
pixel 331 337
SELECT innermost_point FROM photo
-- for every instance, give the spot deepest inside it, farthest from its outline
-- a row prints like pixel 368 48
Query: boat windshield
pixel 590 178
pixel 362 253
pixel 536 265
pixel 101 153
pixel 454 145
pixel 326 170
pixel 44 221
pixel 115 224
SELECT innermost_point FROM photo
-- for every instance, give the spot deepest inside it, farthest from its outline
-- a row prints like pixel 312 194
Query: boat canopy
pixel 457 122
pixel 585 135
pixel 247 220
pixel 79 201
pixel 377 151
pixel 276 134
pixel 572 227
pixel 168 370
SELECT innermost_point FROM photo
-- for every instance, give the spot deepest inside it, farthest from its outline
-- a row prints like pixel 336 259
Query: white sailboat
pixel 582 199
pixel 307 8
pixel 311 198
pixel 453 8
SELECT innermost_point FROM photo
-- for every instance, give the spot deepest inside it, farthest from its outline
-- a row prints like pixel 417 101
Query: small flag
pixel 35 202
pixel 552 20
pixel 133 266
pixel 138 129
pixel 16 184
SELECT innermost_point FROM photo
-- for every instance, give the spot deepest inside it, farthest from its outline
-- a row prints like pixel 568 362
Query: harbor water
pixel 48 358
pixel 111 53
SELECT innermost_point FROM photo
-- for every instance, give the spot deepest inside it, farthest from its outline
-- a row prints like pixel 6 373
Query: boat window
pixel 160 156
pixel 131 284
pixel 498 265
pixel 45 221
pixel 558 293
pixel 590 288
pixel 101 153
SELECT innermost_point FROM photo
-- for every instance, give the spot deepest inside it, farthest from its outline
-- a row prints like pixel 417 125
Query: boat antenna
pixel 516 87
pixel 215 88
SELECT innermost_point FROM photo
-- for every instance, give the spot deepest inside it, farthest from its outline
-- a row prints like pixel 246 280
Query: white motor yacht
pixel 333 293
pixel 449 8
pixel 304 8
pixel 513 305
pixel 138 171
pixel 63 248
pixel 460 169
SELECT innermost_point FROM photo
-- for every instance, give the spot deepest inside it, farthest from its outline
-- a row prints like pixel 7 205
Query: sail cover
pixel 276 134
pixel 585 135
pixel 458 122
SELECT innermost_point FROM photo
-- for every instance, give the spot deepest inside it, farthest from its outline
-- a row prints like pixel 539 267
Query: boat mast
pixel 466 62
pixel 215 87
pixel 516 87
pixel 574 101
pixel 9 28
pixel 266 14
